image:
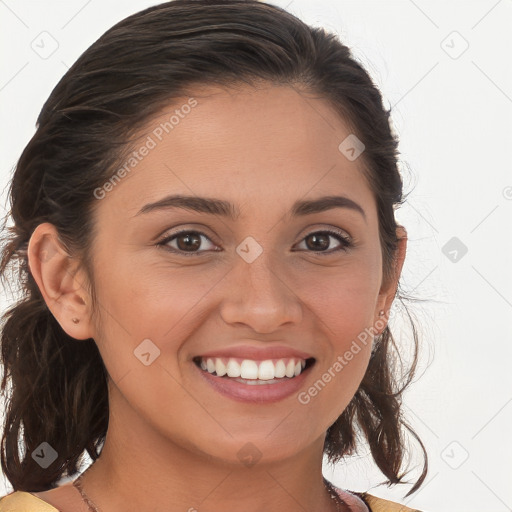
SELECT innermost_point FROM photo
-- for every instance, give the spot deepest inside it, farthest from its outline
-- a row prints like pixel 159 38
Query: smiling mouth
pixel 253 372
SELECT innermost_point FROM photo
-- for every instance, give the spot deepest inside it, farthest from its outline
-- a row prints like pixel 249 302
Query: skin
pixel 172 441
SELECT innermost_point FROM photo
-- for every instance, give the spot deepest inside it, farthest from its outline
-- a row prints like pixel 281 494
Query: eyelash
pixel 346 243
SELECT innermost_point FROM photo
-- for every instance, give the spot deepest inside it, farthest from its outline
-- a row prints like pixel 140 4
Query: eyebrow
pixel 224 208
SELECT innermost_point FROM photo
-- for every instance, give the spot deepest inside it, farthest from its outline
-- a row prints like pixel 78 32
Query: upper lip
pixel 257 353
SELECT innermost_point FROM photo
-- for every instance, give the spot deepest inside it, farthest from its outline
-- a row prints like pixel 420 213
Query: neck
pixel 142 467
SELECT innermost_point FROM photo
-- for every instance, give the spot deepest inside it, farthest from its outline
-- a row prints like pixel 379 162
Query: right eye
pixel 187 241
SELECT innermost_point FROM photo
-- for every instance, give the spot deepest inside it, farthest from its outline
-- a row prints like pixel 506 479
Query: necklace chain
pixel 93 508
pixel 78 484
pixel 334 495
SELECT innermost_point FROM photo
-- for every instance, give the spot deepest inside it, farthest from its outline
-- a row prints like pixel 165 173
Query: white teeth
pixel 280 371
pixel 290 368
pixel 266 371
pixel 250 370
pixel 220 367
pixel 257 382
pixel 233 368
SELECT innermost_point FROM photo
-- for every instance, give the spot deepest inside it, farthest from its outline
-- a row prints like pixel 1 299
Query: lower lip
pixel 255 393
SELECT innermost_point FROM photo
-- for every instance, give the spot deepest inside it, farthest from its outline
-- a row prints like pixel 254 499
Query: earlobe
pixel 54 271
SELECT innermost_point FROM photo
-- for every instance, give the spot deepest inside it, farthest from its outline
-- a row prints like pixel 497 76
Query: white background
pixel 452 110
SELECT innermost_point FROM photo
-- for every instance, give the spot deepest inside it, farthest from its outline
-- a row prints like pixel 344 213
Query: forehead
pixel 250 145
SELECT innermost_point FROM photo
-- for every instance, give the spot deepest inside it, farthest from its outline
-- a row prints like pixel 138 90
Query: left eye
pixel 189 241
pixel 321 238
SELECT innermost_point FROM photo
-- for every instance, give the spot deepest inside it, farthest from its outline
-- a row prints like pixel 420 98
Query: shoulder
pixel 359 501
pixel 21 501
pixel 380 505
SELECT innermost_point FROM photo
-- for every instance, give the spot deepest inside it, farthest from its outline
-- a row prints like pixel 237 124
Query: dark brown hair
pixel 58 391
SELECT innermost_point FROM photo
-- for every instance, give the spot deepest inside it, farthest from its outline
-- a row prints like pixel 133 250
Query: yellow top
pixel 21 501
pixel 375 504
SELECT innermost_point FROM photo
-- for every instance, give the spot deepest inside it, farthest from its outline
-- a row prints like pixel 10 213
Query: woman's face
pixel 263 285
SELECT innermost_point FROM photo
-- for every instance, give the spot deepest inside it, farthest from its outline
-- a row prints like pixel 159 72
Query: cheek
pixel 148 299
pixel 344 302
pixel 334 386
pixel 153 310
pixel 343 298
pixel 347 339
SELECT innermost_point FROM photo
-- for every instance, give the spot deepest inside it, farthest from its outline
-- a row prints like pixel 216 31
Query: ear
pixel 388 289
pixel 56 275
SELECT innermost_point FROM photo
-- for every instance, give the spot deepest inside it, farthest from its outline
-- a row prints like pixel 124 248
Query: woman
pixel 214 374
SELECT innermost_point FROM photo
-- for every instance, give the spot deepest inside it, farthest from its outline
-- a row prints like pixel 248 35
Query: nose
pixel 261 296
